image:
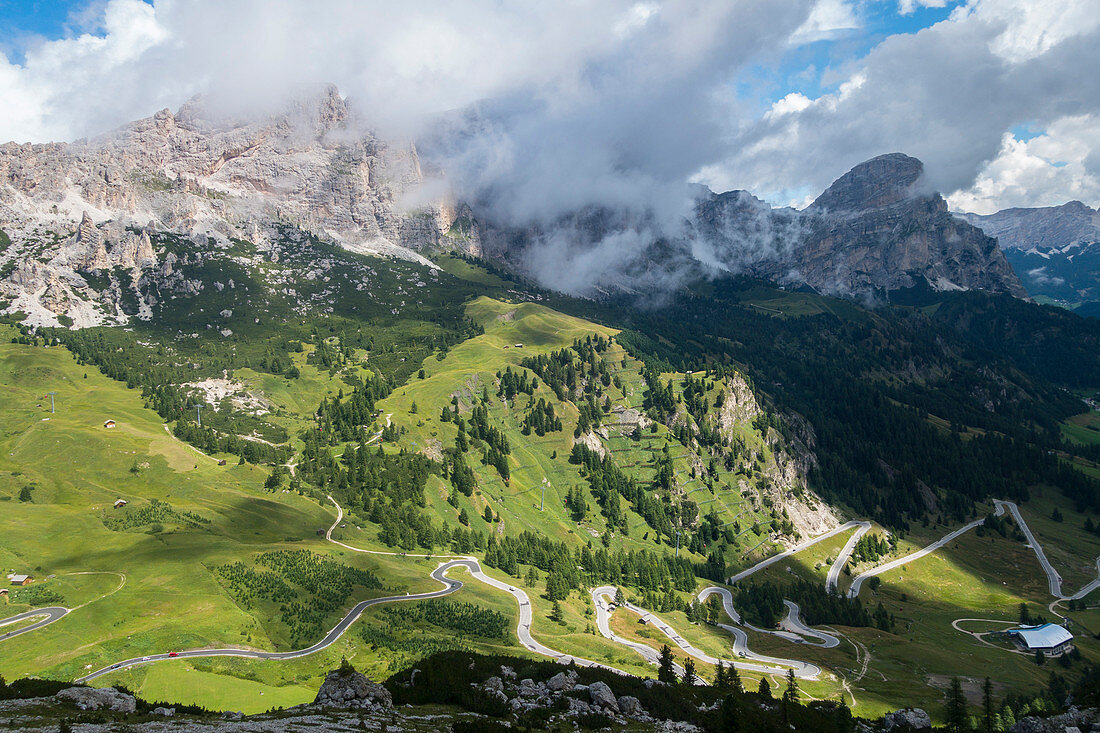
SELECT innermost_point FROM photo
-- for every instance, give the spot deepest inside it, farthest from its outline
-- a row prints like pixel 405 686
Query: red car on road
pixel 173 654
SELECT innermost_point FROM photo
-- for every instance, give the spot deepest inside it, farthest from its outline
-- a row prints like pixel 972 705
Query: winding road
pixel 51 614
pixel 1054 580
pixel 602 598
pixel 833 577
pixel 795 550
pixel 853 591
pixel 450 585
pixel 793 623
pixel 792 627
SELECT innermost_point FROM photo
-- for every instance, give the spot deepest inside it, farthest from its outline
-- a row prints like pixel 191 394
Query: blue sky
pixel 988 93
pixel 24 23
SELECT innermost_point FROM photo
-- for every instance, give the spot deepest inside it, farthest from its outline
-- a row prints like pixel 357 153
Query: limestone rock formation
pixel 1055 250
pixel 350 689
pixel 876 228
pixel 91 698
pixel 1042 228
pixel 89 206
pixel 602 696
pixel 907 720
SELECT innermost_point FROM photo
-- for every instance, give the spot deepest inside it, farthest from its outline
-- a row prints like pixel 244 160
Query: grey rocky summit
pixel 876 228
pixel 1041 228
pixel 91 698
pixel 76 212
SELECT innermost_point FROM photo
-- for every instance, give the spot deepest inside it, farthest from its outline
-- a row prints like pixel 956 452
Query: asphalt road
pixel 523 629
pixel 793 623
pixel 846 552
pixel 727 600
pixel 794 550
pixel 602 599
pixel 768 665
pixel 1054 580
pixel 853 592
pixel 52 613
pixel 450 586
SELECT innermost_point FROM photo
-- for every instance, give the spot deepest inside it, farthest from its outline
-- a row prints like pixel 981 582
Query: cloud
pixel 538 110
pixel 1047 170
pixel 828 19
pixel 908 7
pixel 1039 276
pixel 946 94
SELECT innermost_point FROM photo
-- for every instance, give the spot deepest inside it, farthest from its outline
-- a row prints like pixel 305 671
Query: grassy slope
pixel 472 365
pixel 171 599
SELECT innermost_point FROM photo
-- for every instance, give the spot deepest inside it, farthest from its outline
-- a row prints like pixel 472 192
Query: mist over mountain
pixel 73 210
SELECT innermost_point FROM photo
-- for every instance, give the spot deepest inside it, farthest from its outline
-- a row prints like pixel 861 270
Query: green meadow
pixel 144 577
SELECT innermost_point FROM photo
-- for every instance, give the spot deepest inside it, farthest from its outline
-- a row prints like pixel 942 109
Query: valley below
pixel 507 480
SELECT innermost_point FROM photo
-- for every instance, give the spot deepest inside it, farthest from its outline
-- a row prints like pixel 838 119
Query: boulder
pixel 507 672
pixel 907 719
pixel 602 696
pixel 528 688
pixel 631 706
pixel 561 681
pixel 352 690
pixel 91 698
pixel 164 712
pixel 494 683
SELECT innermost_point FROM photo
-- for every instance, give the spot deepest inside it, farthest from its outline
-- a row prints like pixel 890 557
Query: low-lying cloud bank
pixel 540 111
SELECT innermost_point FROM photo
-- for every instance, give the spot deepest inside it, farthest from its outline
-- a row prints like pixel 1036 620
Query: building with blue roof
pixel 1050 639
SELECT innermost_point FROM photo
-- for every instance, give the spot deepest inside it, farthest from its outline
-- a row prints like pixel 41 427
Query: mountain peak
pixel 880 181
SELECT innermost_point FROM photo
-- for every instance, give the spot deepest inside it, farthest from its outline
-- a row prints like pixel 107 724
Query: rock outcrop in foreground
pixel 350 689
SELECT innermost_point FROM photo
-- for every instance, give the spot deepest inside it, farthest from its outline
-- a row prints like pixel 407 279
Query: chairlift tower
pixel 52 406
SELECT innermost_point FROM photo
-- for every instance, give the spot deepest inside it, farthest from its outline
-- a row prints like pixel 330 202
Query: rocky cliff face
pixel 73 210
pixel 877 228
pixel 83 222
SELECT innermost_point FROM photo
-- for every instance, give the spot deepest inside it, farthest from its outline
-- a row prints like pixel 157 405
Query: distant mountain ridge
pixel 876 228
pixel 72 210
pixel 1043 227
pixel 81 221
pixel 1054 249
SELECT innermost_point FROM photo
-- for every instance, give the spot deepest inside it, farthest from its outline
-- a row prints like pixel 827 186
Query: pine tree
pixel 764 689
pixel 665 672
pixel 556 613
pixel 735 679
pixel 955 713
pixel 689 672
pixel 791 693
pixel 721 682
pixel 987 706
